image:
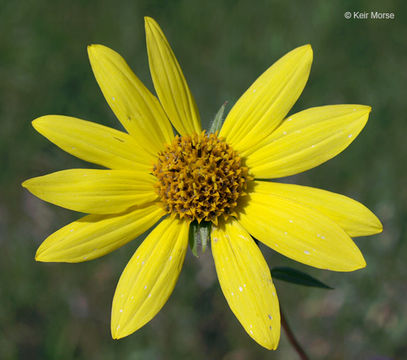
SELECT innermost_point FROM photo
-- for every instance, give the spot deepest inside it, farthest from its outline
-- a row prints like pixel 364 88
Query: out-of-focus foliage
pixel 62 311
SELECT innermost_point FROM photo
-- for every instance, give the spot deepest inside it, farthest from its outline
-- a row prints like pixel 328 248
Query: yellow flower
pixel 203 177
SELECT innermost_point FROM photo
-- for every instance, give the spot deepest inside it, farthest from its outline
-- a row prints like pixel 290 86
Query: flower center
pixel 200 177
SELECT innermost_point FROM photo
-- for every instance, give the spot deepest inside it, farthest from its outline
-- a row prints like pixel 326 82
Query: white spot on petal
pixel 145 287
pixel 290 221
pixel 240 288
pixel 251 332
pixel 350 135
pixel 306 252
pixel 121 310
pixel 270 317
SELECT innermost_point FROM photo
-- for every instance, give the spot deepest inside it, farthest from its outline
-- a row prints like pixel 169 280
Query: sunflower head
pixel 203 177
pixel 200 177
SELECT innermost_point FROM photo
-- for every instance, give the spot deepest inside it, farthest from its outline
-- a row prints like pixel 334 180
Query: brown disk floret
pixel 200 177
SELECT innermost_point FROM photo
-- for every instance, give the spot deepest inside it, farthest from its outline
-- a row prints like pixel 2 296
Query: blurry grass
pixel 61 311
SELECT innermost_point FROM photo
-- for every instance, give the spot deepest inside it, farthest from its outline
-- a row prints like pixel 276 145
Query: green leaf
pixel 199 235
pixel 204 230
pixel 297 277
pixel 218 120
pixel 193 238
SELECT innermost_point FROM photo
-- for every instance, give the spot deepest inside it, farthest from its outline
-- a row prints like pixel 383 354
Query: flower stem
pixel 291 338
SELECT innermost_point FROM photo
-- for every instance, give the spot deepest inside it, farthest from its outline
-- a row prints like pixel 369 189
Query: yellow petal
pixel 94 191
pixel 96 235
pixel 169 82
pixel 137 109
pixel 95 143
pixel 355 218
pixel 307 139
pixel 265 104
pixel 300 233
pixel 246 283
pixel 150 277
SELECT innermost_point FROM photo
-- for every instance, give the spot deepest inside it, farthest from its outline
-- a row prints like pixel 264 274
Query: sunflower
pixel 205 178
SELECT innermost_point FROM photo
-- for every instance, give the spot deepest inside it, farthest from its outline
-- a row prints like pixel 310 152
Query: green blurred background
pixel 62 311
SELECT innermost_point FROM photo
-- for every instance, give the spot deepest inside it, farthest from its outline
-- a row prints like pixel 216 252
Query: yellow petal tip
pixel 270 347
pixel 148 20
pixel 362 262
pixel 97 49
pixel 118 333
pixel 376 225
pixel 363 108
pixel 46 253
pixel 308 47
pixel 27 184
pixel 358 264
pixel 269 344
pixel 35 122
pixel 39 256
pixel 115 336
pixel 151 27
pixel 92 47
pixel 308 51
pixel 304 52
pixel 46 123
